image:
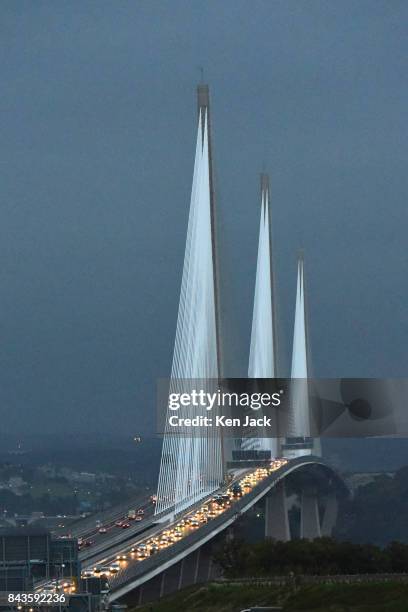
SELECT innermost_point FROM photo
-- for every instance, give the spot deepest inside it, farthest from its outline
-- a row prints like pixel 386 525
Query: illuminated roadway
pixel 108 545
pixel 133 571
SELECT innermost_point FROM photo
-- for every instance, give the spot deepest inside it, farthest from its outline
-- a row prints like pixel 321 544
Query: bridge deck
pixel 140 571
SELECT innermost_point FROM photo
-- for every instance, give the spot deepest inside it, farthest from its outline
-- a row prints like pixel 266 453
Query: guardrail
pixel 298 579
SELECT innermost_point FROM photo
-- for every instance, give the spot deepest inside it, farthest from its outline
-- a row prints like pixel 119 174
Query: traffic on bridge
pixel 170 533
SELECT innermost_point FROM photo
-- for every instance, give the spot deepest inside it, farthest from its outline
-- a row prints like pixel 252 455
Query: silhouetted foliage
pixel 385 502
pixel 323 556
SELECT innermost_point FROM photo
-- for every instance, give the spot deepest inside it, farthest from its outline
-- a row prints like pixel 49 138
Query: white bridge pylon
pixel 192 466
pixel 263 353
pixel 298 442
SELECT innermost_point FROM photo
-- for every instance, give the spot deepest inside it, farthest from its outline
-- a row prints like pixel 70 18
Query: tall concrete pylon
pixel 263 348
pixel 298 441
pixel 192 463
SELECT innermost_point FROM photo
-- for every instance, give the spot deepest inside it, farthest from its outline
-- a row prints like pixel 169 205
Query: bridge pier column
pixel 163 576
pixel 172 578
pixel 189 570
pixel 150 590
pixel 205 565
pixel 197 567
pixel 309 514
pixel 276 514
pixel 181 574
pixel 330 514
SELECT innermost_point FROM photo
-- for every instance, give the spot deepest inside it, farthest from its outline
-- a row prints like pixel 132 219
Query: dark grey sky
pixel 98 119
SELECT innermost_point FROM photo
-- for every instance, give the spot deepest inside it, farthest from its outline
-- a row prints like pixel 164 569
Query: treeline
pixel 11 504
pixel 385 502
pixel 53 505
pixel 323 556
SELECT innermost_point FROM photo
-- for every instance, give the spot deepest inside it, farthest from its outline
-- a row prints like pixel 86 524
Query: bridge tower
pixel 299 441
pixel 263 348
pixel 192 464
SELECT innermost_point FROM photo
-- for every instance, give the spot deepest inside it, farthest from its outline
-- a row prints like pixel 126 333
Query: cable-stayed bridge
pixel 201 492
pixel 192 465
pixel 198 497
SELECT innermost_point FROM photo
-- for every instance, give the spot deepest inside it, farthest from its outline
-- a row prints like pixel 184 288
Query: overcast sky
pixel 98 121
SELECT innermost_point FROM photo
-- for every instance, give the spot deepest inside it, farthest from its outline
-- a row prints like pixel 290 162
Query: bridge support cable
pixel 192 464
pixel 263 348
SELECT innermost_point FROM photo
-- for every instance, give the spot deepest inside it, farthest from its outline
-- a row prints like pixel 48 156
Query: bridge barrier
pixel 287 579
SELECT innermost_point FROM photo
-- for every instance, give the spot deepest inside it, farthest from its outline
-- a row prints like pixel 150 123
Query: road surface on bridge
pixel 135 571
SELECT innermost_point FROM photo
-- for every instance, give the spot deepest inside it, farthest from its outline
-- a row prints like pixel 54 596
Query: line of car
pixel 65 585
pixel 215 506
